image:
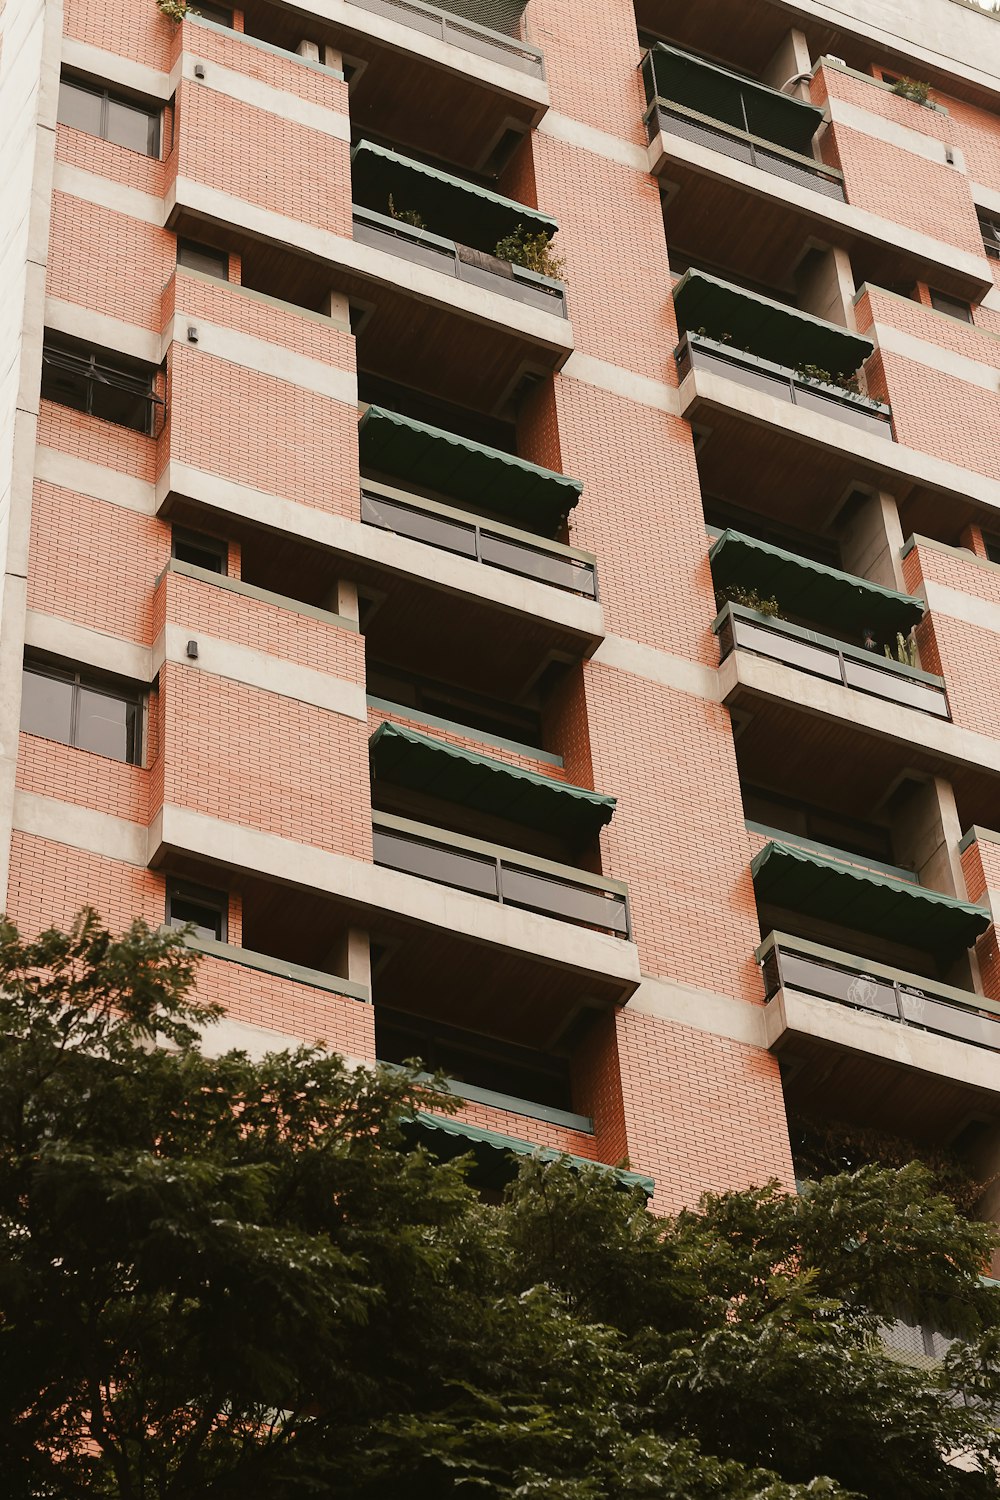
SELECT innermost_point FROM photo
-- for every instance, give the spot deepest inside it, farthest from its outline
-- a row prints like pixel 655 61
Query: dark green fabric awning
pixel 449 206
pixel 764 327
pixel 456 1138
pixel 682 78
pixel 812 590
pixel 477 477
pixel 878 904
pixel 423 764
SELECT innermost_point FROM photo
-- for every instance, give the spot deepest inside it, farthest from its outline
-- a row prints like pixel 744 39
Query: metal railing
pixel 426 249
pixel 503 875
pixel 674 119
pixel 907 999
pixel 489 543
pixel 460 33
pixel 697 351
pixel 744 629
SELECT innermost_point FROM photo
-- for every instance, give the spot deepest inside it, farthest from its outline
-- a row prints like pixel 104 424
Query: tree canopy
pixel 227 1278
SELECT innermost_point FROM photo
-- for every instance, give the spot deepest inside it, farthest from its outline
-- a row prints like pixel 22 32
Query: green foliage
pixel 736 593
pixel 406 215
pixel 175 10
pixel 226 1279
pixel 913 89
pixel 818 376
pixel 533 251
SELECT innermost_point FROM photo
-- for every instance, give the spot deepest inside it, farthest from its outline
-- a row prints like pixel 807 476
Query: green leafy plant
pixel 735 593
pixel 532 251
pixel 816 375
pixel 405 215
pixel 175 10
pixel 905 652
pixel 912 88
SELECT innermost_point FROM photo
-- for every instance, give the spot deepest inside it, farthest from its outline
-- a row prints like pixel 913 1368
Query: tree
pixel 226 1278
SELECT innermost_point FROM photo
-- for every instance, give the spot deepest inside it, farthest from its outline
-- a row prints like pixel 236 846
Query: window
pixel 467 1057
pixel 58 703
pixel 102 384
pixel 990 229
pixel 97 111
pixel 208 552
pixel 203 258
pixel 952 307
pixel 205 910
pixel 220 14
pixel 489 715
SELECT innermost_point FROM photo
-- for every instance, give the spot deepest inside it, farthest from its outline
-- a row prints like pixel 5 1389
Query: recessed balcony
pixel 772 347
pixel 699 101
pixel 453 28
pixel 446 224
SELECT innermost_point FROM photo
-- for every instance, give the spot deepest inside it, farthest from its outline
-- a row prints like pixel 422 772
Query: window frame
pixel 108 96
pixel 952 309
pixel 207 252
pixel 212 546
pixel 93 366
pixel 98 684
pixel 209 898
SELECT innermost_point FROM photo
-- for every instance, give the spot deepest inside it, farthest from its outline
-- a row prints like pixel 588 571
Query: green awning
pixel 423 764
pixel 449 206
pixel 682 78
pixel 769 329
pixel 477 477
pixel 491 1150
pixel 878 904
pixel 812 590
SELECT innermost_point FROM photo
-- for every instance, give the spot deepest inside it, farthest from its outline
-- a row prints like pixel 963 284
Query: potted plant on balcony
pixel 531 251
pixel 401 215
pixel 736 593
pixel 913 89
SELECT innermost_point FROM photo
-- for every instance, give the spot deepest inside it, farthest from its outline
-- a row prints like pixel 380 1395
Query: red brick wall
pixel 345 1025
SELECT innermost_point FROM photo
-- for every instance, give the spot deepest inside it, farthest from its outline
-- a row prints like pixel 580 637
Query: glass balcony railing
pixel 698 352
pixel 821 656
pixel 499 874
pixel 452 259
pixel 482 40
pixel 789 963
pixel 493 545
pixel 736 116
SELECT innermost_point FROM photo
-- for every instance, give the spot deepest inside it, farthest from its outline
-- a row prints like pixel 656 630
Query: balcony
pixel 444 465
pixel 775 348
pixel 458 32
pixel 908 1000
pixel 503 875
pixel 745 120
pixel 494 546
pixel 493 1152
pixel 741 629
pixel 461 225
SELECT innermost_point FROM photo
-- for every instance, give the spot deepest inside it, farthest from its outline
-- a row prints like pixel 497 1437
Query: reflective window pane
pixel 203 258
pixel 207 917
pixel 47 705
pixel 79 107
pixel 126 407
pixel 107 724
pixel 66 381
pixel 129 126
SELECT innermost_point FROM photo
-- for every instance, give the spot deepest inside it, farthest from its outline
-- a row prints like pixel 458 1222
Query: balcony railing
pixel 471 266
pixel 696 351
pixel 744 629
pixel 489 543
pixel 499 874
pixel 739 145
pixel 460 33
pixel 908 999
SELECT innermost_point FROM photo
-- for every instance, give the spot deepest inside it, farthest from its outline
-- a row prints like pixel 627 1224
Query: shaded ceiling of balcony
pixel 812 590
pixel 681 78
pixel 449 206
pixel 423 764
pixel 770 329
pixel 877 904
pixel 482 478
pixel 448 1138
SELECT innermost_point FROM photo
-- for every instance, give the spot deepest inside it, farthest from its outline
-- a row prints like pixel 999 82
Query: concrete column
pixel 338 310
pixel 350 957
pixel 791 58
pixel 824 284
pixel 926 832
pixel 871 541
pixel 342 599
pixel 308 50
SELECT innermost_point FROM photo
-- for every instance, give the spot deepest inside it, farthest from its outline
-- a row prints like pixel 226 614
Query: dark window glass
pixel 488 715
pixel 992 544
pixel 100 383
pixel 217 13
pixel 207 552
pixel 57 704
pixel 473 1059
pixel 47 704
pixel 101 113
pixel 203 258
pixel 954 307
pixel 203 909
pixel 990 229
